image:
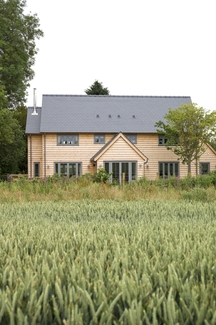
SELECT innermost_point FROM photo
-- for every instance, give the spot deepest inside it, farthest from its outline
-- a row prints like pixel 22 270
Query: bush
pixel 101 176
pixel 199 194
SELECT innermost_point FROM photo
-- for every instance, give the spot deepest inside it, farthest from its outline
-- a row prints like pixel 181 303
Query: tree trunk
pixel 189 168
pixel 196 166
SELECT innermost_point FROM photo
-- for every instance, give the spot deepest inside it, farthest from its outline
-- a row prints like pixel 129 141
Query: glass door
pixel 122 171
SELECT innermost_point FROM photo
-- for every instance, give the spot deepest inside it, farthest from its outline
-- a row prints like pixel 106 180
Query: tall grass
pixel 64 189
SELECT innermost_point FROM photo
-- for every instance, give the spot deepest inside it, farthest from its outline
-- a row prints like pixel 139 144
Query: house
pixel 72 135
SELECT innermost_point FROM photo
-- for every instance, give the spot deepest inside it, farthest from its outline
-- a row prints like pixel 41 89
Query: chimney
pixel 34 103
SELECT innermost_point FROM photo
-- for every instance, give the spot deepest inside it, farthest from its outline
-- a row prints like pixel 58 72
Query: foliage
pixel 199 194
pixel 20 114
pixel 18 33
pixel 102 176
pixel 212 143
pixel 3 101
pixel 84 187
pixel 107 262
pixel 12 143
pixel 187 129
pixel 97 89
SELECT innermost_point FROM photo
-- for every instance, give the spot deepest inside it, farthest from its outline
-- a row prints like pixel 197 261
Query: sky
pixel 139 47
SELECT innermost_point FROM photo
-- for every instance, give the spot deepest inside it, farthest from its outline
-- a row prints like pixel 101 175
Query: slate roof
pixel 105 114
pixel 33 121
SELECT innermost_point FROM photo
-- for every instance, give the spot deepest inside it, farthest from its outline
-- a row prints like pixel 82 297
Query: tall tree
pixel 12 143
pixel 97 89
pixel 18 33
pixel 187 129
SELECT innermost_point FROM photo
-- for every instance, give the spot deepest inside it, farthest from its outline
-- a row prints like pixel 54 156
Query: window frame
pixel 132 169
pixel 200 167
pixel 129 137
pixel 38 166
pixel 176 163
pixel 57 168
pixel 69 142
pixel 99 135
pixel 163 139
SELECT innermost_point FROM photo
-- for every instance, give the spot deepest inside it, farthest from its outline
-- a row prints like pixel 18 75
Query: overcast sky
pixel 139 47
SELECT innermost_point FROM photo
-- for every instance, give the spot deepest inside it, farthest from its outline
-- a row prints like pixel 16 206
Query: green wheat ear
pixel 107 262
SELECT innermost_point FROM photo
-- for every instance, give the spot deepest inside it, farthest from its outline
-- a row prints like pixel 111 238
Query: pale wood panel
pixel 81 153
pixel 121 151
pixel 34 153
pixel 147 143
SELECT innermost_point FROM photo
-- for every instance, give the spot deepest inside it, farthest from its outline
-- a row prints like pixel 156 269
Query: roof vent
pixel 118 116
pixel 110 116
pixel 34 103
pixel 133 116
pixel 97 115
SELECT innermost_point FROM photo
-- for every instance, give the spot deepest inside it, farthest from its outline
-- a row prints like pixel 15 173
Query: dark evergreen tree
pixel 97 89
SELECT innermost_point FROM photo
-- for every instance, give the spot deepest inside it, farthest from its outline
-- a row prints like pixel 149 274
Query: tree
pixel 12 143
pixel 187 129
pixel 97 89
pixel 2 97
pixel 20 114
pixel 18 32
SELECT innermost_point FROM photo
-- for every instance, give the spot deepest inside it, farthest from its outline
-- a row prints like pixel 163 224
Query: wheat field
pixel 108 262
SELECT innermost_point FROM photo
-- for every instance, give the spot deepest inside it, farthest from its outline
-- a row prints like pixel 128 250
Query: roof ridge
pixel 126 96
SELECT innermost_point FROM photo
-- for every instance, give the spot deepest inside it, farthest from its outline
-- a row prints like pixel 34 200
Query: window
pixel 122 171
pixel 69 169
pixel 161 140
pixel 132 138
pixel 167 169
pixel 36 169
pixel 68 140
pixel 99 138
pixel 204 168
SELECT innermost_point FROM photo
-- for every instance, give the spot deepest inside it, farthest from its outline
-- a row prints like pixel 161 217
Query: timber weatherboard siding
pixel 118 151
pixel 35 153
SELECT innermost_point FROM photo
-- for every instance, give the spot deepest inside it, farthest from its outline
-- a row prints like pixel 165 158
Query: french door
pixel 68 169
pixel 122 171
pixel 167 169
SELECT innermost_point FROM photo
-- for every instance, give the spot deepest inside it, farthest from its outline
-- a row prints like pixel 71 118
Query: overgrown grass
pixel 200 188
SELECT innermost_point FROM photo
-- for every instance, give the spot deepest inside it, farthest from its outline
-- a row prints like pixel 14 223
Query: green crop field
pixel 108 262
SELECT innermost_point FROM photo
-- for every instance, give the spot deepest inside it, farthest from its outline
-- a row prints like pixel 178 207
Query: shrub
pixel 102 176
pixel 199 194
